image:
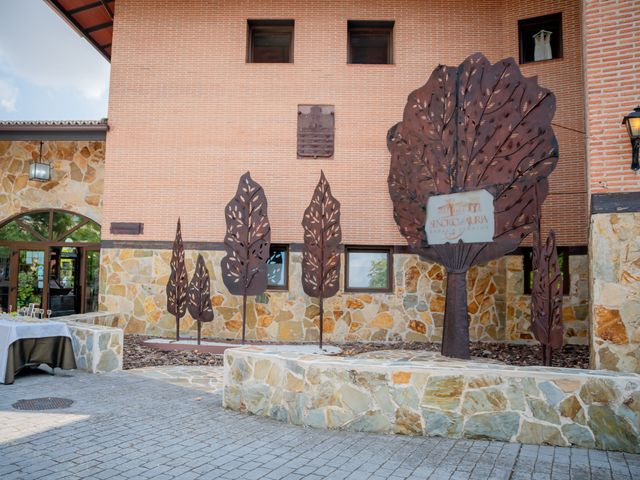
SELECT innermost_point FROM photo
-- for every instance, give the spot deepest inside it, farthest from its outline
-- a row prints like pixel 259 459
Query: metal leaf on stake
pixel 473 127
pixel 199 296
pixel 177 285
pixel 247 242
pixel 546 294
pixel 321 253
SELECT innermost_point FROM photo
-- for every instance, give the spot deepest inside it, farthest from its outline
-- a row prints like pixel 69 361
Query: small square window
pixel 370 41
pixel 270 41
pixel 368 269
pixel 540 38
pixel 563 264
pixel 278 267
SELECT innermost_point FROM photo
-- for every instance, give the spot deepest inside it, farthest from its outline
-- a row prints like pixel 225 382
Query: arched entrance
pixel 50 258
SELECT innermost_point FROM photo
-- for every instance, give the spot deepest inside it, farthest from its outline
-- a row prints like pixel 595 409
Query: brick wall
pixel 188 116
pixel 612 59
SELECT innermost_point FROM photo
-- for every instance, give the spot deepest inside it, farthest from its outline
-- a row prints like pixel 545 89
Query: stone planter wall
pixel 97 341
pixel 77 177
pixel 98 349
pixel 132 283
pixel 439 398
pixel 615 290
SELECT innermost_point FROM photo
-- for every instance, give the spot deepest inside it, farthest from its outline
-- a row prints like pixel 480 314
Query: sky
pixel 47 71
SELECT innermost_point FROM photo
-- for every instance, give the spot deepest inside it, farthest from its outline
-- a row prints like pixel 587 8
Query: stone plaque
pixel 466 216
pixel 315 130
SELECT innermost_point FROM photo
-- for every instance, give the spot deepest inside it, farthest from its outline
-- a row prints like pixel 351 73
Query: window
pixel 540 38
pixel 278 267
pixel 370 42
pixel 563 264
pixel 270 41
pixel 368 269
pixel 50 225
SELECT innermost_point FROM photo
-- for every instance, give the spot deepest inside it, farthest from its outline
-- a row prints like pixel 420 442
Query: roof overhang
pixel 51 131
pixel 92 19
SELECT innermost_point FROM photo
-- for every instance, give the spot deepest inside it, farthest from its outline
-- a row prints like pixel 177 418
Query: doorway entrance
pixel 50 258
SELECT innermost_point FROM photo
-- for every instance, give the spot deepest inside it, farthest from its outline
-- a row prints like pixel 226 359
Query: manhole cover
pixel 47 403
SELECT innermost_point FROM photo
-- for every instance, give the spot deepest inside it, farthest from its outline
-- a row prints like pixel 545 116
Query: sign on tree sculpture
pixel 321 253
pixel 474 146
pixel 247 242
pixel 177 285
pixel 199 296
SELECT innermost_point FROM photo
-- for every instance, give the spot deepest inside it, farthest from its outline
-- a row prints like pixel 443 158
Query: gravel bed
pixel 570 356
pixel 138 355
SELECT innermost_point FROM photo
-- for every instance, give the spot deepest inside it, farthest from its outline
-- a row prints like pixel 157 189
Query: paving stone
pixel 138 426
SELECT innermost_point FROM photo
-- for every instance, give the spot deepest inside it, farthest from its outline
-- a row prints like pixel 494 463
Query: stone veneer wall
pixel 575 310
pixel 615 302
pixel 556 406
pixel 132 282
pixel 76 183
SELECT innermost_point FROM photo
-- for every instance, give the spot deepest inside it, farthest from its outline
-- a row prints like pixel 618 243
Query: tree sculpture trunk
pixel 321 319
pixel 455 333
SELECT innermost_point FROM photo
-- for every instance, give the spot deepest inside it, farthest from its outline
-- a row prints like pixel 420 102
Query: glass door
pixel 30 278
pixel 64 281
pixel 5 280
pixel 91 280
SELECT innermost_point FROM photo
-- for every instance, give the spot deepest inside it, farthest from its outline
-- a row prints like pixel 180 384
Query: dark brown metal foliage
pixel 546 296
pixel 244 268
pixel 471 127
pixel 199 296
pixel 178 281
pixel 321 253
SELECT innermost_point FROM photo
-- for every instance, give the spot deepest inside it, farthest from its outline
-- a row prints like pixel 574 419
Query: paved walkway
pixel 134 425
pixel 205 379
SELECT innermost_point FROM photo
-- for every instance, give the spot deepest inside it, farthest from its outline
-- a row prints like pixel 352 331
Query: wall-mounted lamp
pixel 40 171
pixel 632 121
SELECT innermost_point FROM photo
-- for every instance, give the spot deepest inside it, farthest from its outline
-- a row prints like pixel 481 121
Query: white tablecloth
pixel 11 330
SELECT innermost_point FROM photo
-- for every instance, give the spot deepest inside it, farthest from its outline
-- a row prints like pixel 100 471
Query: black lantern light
pixel 632 121
pixel 39 170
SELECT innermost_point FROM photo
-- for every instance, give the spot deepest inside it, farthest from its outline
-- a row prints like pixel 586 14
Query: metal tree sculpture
pixel 321 253
pixel 546 294
pixel 199 296
pixel 472 127
pixel 244 268
pixel 177 285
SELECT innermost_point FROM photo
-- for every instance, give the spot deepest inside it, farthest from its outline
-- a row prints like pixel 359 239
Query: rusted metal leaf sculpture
pixel 321 253
pixel 472 127
pixel 546 294
pixel 199 296
pixel 177 285
pixel 244 268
